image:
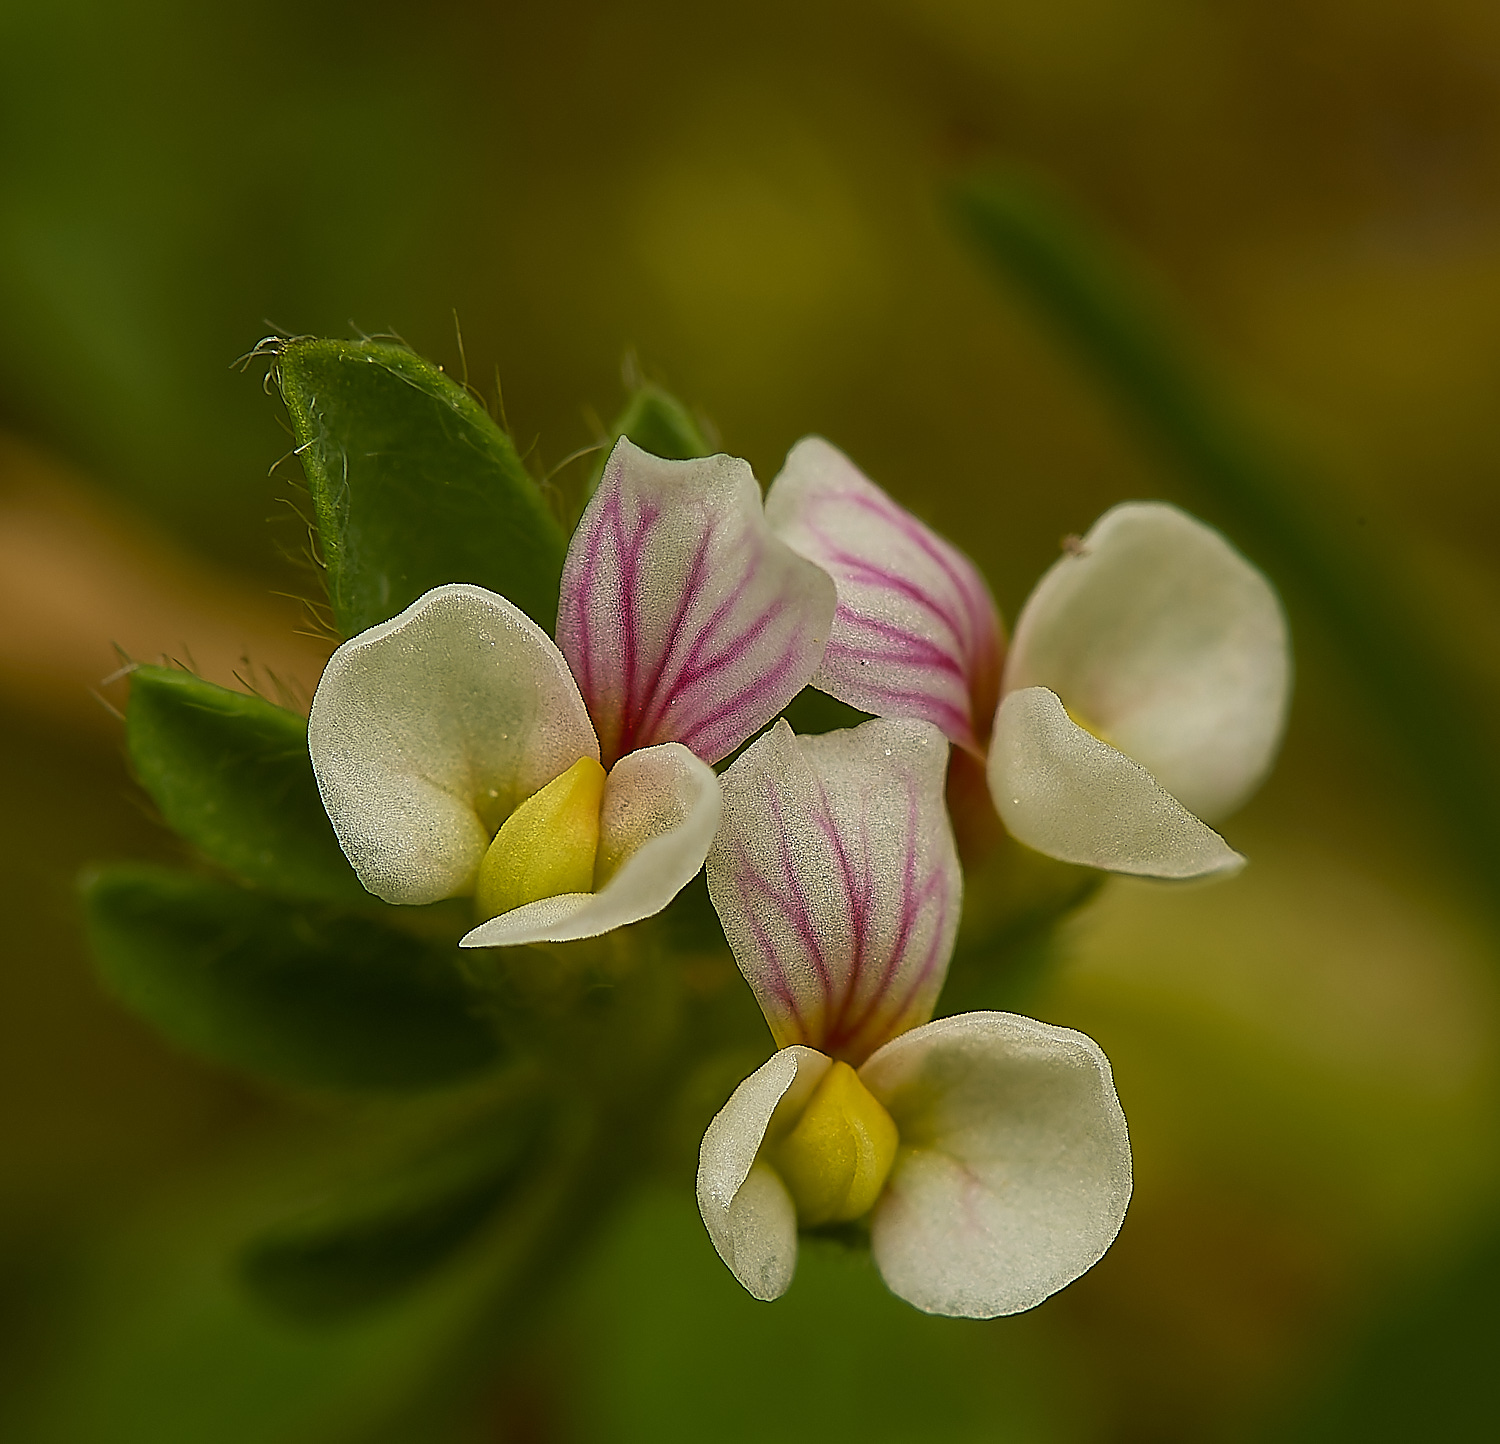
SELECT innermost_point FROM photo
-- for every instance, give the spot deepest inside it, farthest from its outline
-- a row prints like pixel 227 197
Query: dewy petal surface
pixel 745 1206
pixel 660 811
pixel 916 633
pixel 684 618
pixel 1014 1169
pixel 459 705
pixel 1164 639
pixel 1062 791
pixel 835 877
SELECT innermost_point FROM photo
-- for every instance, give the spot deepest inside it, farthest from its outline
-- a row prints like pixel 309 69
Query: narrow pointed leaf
pixel 231 774
pixel 303 994
pixel 659 423
pixel 413 485
pixel 375 1240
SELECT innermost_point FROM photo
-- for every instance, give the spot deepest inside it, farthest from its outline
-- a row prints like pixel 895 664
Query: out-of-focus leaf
pixel 413 485
pixel 373 1242
pixel 297 993
pixel 660 1315
pixel 1423 1366
pixel 689 923
pixel 157 1342
pixel 1014 902
pixel 231 774
pixel 659 423
pixel 1098 301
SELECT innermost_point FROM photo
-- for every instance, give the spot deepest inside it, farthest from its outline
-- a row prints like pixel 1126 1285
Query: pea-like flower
pixel 1145 688
pixel 988 1151
pixel 568 785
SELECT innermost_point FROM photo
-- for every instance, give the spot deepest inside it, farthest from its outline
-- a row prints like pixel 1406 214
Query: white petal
pixel 658 817
pixel 745 1206
pixel 684 618
pixel 916 633
pixel 1163 638
pixel 461 702
pixel 1014 1168
pixel 835 877
pixel 1062 791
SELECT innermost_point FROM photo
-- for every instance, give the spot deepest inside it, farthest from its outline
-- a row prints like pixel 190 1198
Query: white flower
pixel 988 1150
pixel 1146 686
pixel 459 750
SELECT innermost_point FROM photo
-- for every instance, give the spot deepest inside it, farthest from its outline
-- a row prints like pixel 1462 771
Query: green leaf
pixel 659 423
pixel 231 774
pixel 374 1241
pixel 297 993
pixel 413 485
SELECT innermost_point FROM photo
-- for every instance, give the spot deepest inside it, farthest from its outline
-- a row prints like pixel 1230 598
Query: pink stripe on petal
pixel 916 633
pixel 835 877
pixel 684 618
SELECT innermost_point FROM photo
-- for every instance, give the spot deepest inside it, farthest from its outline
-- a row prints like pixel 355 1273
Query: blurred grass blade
pixel 659 423
pixel 231 774
pixel 1268 505
pixel 302 994
pixel 373 1242
pixel 413 484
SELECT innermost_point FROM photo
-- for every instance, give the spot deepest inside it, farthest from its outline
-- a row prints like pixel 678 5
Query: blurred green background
pixel 751 202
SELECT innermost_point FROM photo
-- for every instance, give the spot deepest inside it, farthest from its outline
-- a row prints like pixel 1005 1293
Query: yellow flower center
pixel 547 845
pixel 836 1159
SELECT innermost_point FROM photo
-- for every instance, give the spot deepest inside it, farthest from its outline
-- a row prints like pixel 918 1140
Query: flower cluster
pixel 568 786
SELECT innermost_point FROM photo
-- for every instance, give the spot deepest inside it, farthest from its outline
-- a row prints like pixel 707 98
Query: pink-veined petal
pixel 658 816
pixel 916 633
pixel 835 877
pixel 1014 1171
pixel 683 617
pixel 427 730
pixel 746 1208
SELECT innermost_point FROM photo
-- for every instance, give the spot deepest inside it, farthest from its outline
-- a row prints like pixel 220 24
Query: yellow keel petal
pixel 547 845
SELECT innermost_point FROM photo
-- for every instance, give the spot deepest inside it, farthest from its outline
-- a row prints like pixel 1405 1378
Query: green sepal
pixel 374 1240
pixel 306 994
pixel 812 712
pixel 659 423
pixel 413 485
pixel 230 773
